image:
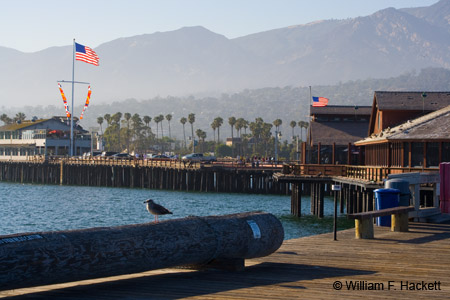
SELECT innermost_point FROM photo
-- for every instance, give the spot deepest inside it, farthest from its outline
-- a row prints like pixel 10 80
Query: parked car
pixel 159 156
pixel 199 157
pixel 121 156
pixel 94 154
pixel 108 153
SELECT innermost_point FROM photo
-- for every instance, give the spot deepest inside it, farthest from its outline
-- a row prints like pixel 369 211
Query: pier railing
pixel 164 163
pixel 368 173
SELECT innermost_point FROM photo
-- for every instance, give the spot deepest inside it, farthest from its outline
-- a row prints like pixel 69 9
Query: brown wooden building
pixel 423 142
pixel 332 131
pixel 390 109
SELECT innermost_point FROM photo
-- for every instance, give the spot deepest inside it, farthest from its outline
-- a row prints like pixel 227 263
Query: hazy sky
pixel 33 25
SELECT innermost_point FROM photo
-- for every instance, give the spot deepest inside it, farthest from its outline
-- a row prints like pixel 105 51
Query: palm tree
pixel 293 124
pixel 183 121
pixel 127 117
pixel 214 127
pixel 100 122
pixel 232 122
pixel 116 119
pixel 191 120
pixel 239 125
pixel 277 123
pixel 20 116
pixel 5 119
pixel 245 126
pixel 137 127
pixel 219 122
pixel 161 118
pixel 107 118
pixel 147 120
pixel 157 119
pixel 201 137
pixel 169 118
pixel 302 124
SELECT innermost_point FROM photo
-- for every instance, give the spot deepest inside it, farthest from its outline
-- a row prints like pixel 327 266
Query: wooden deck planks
pixel 302 268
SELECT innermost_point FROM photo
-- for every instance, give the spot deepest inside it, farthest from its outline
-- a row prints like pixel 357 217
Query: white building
pixel 26 139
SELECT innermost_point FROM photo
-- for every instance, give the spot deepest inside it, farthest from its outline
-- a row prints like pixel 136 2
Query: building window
pixel 416 154
pixel 445 152
pixel 432 155
pixel 406 154
pixel 341 155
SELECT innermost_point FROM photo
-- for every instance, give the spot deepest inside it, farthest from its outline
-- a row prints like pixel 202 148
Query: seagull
pixel 156 209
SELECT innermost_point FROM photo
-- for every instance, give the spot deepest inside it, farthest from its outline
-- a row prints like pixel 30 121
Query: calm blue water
pixel 30 208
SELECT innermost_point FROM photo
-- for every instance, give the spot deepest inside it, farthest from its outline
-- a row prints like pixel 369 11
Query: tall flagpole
pixel 71 113
pixel 310 102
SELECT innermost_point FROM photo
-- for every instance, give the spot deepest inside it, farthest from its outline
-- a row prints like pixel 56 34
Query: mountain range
pixel 196 61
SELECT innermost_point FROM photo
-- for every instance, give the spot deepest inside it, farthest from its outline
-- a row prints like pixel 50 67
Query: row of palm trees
pixel 20 116
pixel 131 132
pixel 259 129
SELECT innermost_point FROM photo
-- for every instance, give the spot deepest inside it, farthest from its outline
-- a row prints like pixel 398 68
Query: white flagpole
pixel 71 113
pixel 310 103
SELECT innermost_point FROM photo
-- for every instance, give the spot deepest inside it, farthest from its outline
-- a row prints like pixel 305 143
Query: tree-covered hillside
pixel 289 103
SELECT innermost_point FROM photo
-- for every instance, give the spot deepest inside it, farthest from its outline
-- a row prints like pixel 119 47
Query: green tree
pixel 169 118
pixel 222 150
pixel 100 122
pixel 232 122
pixel 277 123
pixel 293 124
pixel 219 122
pixel 20 116
pixel 201 138
pixel 108 119
pixel 147 120
pixel 302 124
pixel 5 119
pixel 157 119
pixel 161 119
pixel 140 138
pixel 183 121
pixel 127 133
pixel 191 120
pixel 214 127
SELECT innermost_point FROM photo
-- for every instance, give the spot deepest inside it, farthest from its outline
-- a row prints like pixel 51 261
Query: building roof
pixel 340 133
pixel 341 110
pixel 22 125
pixel 411 100
pixel 38 124
pixel 432 126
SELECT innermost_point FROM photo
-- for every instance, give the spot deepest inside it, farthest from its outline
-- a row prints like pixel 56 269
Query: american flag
pixel 320 101
pixel 86 54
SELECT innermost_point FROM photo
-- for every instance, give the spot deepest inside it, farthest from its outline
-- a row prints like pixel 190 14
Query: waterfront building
pixel 332 132
pixel 390 109
pixel 26 139
pixel 423 142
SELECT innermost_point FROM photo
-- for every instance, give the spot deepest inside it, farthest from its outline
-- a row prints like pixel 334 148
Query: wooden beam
pixel 43 258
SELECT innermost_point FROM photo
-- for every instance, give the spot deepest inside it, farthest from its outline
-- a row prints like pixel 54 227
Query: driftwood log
pixel 43 258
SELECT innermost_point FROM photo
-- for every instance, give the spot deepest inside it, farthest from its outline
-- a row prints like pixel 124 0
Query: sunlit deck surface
pixel 303 268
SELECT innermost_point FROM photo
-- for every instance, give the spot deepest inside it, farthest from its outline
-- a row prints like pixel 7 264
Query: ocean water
pixel 32 208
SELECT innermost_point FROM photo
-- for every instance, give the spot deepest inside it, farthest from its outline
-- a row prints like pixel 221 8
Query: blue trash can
pixel 386 198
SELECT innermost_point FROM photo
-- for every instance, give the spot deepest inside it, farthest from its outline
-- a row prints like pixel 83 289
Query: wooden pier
pixel 397 265
pixel 165 175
